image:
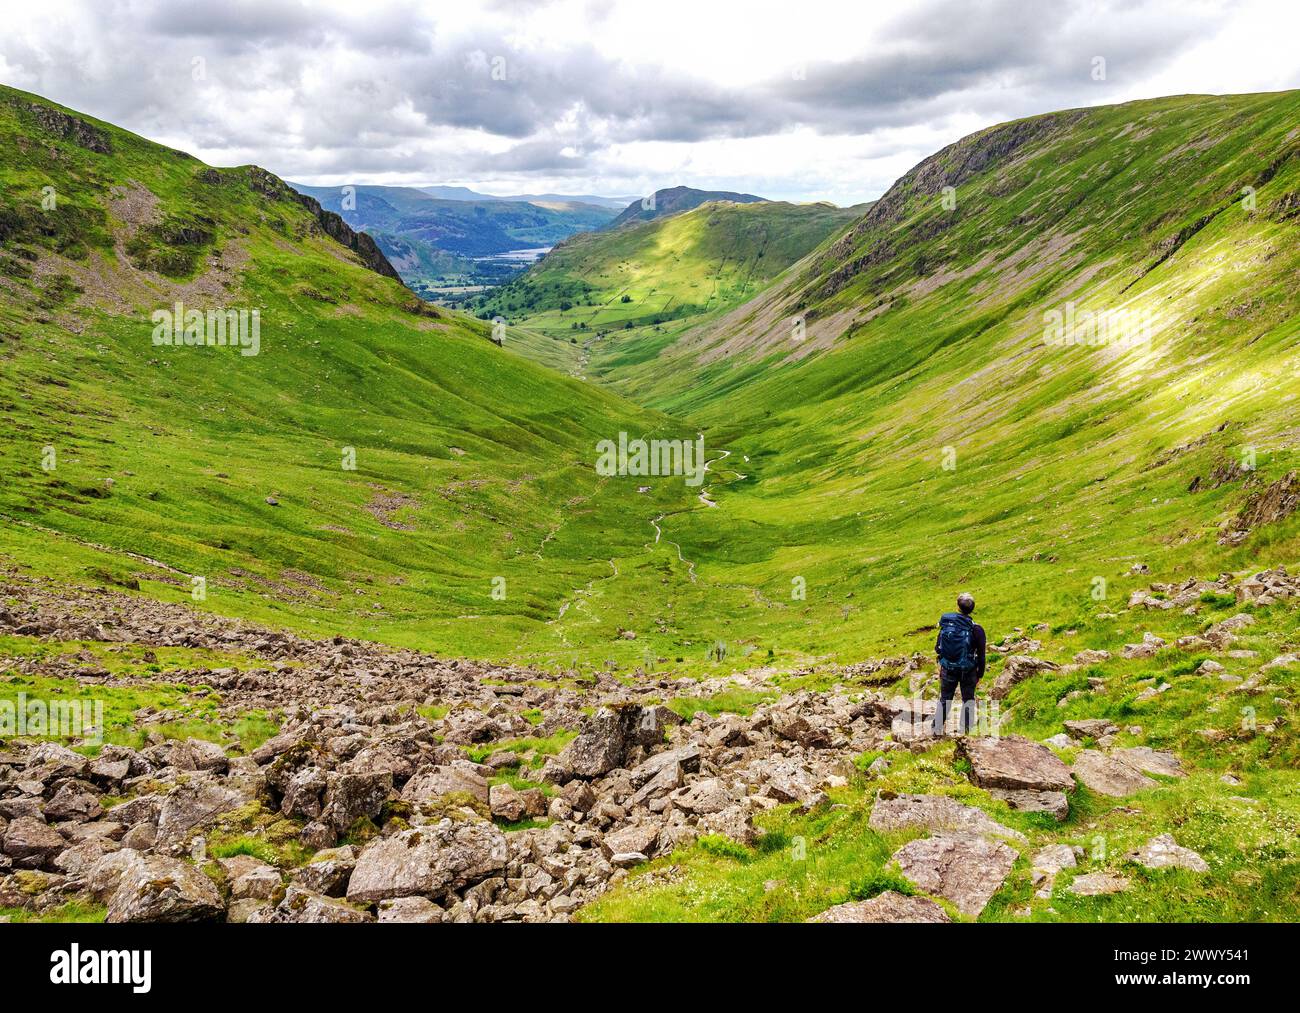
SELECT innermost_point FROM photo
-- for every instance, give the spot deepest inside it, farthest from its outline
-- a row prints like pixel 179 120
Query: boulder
pixel 155 888
pixel 328 871
pixel 410 910
pixel 428 861
pixel 935 812
pixel 631 840
pixel 301 906
pixel 512 805
pixel 432 782
pixel 350 797
pixel 704 797
pixel 103 878
pixel 1016 669
pixel 250 878
pixel 32 843
pixel 1091 657
pixel 1150 646
pixel 797 728
pixel 190 807
pixel 1014 763
pixel 602 742
pixel 966 869
pixel 74 803
pixel 1150 761
pixel 735 822
pixel 579 795
pixel 1101 773
pixel 888 907
pixel 669 778
pixel 1090 728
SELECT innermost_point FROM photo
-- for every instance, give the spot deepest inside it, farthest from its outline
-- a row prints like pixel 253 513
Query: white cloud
pixel 811 100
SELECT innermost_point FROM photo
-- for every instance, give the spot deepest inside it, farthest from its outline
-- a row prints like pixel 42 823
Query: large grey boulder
pixel 935 812
pixel 603 742
pixel 1016 669
pixel 1014 763
pixel 966 869
pixel 1150 761
pixel 155 888
pixel 191 807
pixel 1108 776
pixel 32 843
pixel 428 861
pixel 433 781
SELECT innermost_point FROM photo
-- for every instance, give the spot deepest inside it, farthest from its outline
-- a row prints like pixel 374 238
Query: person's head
pixel 966 602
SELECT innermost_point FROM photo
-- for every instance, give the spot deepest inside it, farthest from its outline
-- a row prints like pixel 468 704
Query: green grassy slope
pixel 471 462
pixel 626 293
pixel 923 347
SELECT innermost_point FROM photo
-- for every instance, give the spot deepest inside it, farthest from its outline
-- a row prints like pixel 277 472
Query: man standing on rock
pixel 960 650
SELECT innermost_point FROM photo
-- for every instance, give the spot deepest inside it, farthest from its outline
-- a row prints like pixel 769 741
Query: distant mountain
pixel 429 226
pixel 673 201
pixel 464 193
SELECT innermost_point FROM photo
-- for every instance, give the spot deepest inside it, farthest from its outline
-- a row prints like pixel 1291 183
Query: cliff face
pixel 330 223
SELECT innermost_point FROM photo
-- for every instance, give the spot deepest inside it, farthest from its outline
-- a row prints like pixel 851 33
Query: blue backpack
pixel 956 632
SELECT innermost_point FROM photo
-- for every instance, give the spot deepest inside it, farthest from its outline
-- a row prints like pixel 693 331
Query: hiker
pixel 960 650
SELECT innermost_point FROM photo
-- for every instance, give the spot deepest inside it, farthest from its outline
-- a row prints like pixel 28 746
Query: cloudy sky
pixel 800 99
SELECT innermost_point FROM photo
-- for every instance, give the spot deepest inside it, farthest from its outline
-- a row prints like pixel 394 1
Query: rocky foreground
pixel 361 809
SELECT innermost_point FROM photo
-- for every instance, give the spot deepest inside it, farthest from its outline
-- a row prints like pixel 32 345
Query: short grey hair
pixel 966 602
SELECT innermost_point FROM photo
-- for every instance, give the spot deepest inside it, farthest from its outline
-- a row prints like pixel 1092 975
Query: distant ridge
pixel 675 200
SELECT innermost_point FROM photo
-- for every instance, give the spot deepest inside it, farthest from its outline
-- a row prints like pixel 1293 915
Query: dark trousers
pixel 948 683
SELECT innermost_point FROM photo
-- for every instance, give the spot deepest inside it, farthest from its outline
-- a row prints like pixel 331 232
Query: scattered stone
pixel 1054 803
pixel 1090 728
pixel 1150 646
pixel 1164 852
pixel 1095 884
pixel 1046 863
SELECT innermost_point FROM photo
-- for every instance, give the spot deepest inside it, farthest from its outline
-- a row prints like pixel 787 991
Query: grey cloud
pixel 408 88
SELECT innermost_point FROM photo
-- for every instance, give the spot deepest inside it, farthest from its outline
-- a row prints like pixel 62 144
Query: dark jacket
pixel 979 644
